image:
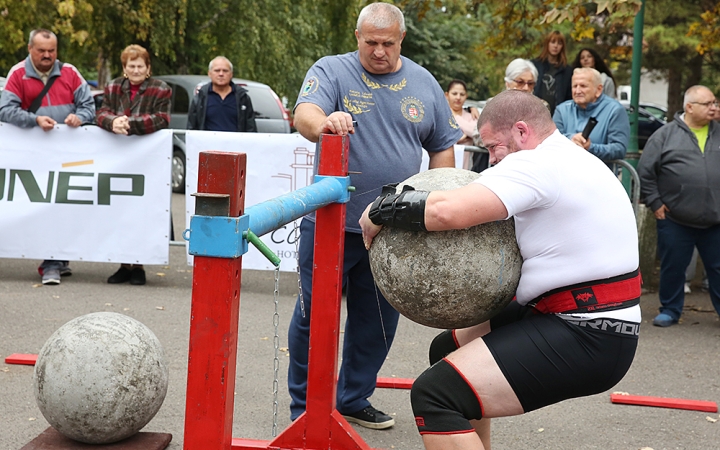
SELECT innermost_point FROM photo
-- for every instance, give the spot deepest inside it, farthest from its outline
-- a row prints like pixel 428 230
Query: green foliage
pixel 444 41
pixel 21 17
pixel 275 42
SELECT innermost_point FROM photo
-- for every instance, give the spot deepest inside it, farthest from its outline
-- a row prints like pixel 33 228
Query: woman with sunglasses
pixel 521 75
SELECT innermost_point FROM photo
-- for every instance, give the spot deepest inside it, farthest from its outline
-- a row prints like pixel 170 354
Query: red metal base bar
pixel 21 358
pixel 661 402
pixel 395 383
pixel 389 383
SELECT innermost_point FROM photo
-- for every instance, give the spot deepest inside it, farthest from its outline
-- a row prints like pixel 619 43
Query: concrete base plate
pixel 51 439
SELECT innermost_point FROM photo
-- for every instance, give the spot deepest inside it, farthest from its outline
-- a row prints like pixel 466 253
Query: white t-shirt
pixel 573 219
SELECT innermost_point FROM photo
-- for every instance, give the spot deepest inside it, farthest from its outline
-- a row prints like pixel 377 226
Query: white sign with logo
pixel 84 194
pixel 276 164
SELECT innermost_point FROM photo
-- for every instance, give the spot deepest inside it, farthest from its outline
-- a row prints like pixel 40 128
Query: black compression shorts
pixel 547 359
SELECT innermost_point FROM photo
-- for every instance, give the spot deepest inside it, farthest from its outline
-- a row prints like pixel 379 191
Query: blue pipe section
pixel 274 213
pixel 227 237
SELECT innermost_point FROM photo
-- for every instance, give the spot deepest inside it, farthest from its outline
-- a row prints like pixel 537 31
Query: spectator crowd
pixel 572 112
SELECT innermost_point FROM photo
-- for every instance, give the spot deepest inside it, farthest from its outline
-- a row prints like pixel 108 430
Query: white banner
pixel 84 194
pixel 276 164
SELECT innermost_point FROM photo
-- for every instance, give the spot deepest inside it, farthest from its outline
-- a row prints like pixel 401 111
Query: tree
pixel 66 18
pixel 276 42
pixel 444 41
pixel 157 25
pixel 672 49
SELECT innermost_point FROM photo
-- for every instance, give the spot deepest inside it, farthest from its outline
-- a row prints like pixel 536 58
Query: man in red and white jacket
pixel 68 101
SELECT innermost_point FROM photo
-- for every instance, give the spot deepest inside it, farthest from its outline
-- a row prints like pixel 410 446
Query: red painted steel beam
pixel 249 444
pixel 395 383
pixel 214 318
pixel 662 402
pixel 388 383
pixel 21 358
pixel 321 426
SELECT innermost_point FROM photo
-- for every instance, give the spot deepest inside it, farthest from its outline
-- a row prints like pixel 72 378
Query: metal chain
pixel 276 344
pixel 296 233
pixel 382 322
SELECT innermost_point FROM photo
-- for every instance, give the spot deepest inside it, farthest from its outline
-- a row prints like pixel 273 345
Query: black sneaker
pixel 65 270
pixel 137 276
pixel 370 418
pixel 121 276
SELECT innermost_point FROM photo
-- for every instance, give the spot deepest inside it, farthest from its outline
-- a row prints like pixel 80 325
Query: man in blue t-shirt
pixel 400 109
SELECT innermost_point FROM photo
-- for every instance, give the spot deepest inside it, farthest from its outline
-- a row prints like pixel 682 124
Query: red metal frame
pixel 214 324
pixel 321 426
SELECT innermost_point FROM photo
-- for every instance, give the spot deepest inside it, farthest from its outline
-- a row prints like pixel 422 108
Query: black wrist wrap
pixel 405 210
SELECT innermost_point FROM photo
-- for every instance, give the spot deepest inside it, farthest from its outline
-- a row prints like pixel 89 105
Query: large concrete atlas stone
pixel 100 378
pixel 447 279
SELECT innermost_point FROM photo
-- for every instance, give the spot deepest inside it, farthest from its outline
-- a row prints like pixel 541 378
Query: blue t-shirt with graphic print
pixel 398 114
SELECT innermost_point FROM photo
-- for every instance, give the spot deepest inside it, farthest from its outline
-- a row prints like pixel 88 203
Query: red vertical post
pixel 321 426
pixel 214 317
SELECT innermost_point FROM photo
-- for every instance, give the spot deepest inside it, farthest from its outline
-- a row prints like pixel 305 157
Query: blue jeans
pixel 675 248
pixel 369 328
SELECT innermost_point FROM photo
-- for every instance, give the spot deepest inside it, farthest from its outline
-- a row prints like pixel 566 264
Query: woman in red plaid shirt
pixel 134 104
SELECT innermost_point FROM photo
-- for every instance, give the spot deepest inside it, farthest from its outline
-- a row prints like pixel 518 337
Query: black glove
pixel 405 210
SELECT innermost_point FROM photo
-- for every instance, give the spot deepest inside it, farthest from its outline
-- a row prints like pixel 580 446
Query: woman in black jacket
pixel 554 75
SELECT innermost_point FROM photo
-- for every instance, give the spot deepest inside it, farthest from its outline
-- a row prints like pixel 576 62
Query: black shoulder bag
pixel 35 105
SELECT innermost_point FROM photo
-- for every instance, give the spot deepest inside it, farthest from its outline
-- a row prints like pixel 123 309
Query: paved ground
pixel 681 362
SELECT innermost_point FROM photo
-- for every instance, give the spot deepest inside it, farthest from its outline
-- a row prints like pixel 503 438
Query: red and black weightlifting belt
pixel 617 292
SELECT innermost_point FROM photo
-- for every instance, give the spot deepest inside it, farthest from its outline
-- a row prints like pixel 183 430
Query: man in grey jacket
pixel 680 181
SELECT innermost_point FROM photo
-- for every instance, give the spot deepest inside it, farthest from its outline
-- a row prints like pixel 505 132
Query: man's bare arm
pixel 450 210
pixel 444 158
